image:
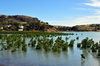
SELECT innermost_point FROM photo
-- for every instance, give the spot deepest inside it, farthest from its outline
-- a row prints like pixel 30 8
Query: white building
pixel 1 27
pixel 20 29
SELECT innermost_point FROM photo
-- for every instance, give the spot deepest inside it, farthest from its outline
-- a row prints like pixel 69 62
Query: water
pixel 40 58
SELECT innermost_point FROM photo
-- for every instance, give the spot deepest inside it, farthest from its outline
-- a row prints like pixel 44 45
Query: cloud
pixel 94 3
pixel 77 21
pixel 83 8
pixel 87 20
pixel 97 11
pixel 94 11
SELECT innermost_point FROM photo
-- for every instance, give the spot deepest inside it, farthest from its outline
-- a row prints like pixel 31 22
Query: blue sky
pixel 55 12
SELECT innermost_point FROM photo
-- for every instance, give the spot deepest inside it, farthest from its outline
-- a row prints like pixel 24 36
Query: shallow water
pixel 66 58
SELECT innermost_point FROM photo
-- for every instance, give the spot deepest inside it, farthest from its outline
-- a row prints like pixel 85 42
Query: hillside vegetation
pixel 89 27
pixel 27 23
pixel 15 22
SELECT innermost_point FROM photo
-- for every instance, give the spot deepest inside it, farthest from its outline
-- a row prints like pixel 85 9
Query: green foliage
pixel 14 50
pixel 39 46
pixel 87 43
pixel 39 40
pixel 99 52
pixel 24 47
pixel 77 38
pixel 29 23
pixel 63 28
pixel 71 44
pixel 47 48
pixel 56 47
pixel 79 45
pixel 43 41
pixel 33 43
pixel 66 38
pixel 65 46
pixel 82 56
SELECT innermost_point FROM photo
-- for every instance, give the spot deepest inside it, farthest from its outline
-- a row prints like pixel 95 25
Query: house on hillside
pixel 8 25
pixel 21 28
pixel 1 28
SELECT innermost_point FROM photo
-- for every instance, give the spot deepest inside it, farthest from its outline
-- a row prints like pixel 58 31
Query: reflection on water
pixel 41 58
pixel 82 62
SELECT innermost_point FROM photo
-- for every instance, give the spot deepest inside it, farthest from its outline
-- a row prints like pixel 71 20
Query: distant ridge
pixel 20 18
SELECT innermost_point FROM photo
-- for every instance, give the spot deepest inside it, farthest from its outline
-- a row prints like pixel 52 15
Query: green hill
pixel 27 23
pixel 13 23
pixel 89 27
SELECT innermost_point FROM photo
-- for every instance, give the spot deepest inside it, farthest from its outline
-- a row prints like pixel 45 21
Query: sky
pixel 55 12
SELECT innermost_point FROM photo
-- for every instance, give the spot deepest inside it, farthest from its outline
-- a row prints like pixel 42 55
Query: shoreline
pixel 78 31
pixel 48 31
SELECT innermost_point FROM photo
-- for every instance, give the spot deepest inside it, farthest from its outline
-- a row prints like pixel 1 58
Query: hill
pixel 27 23
pixel 22 22
pixel 89 27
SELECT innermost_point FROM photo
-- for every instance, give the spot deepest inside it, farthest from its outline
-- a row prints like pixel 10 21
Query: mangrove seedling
pixel 82 56
pixel 66 38
pixel 24 47
pixel 78 44
pixel 14 50
pixel 33 43
pixel 71 43
pixel 39 46
pixel 98 52
pixel 77 38
pixel 65 46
